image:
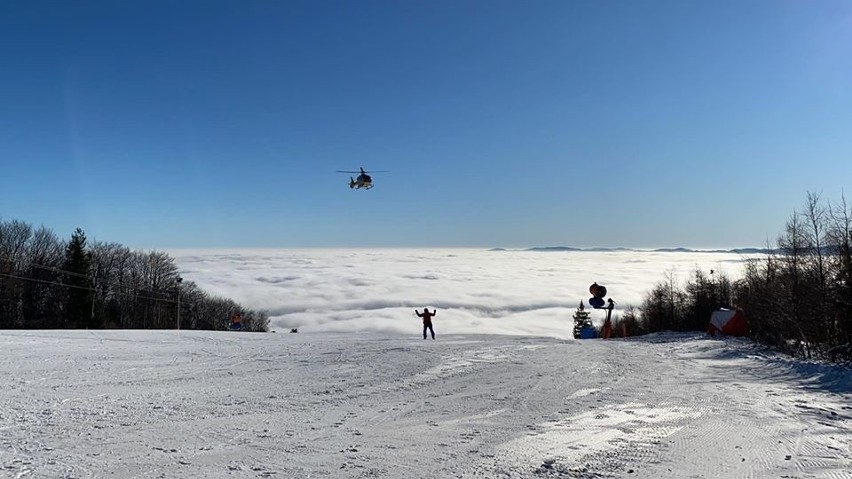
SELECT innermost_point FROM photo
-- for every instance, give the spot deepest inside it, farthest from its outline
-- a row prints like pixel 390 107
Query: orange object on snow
pixel 729 322
pixel 606 332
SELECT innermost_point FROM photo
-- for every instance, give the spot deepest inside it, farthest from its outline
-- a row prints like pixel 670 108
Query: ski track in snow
pixel 189 404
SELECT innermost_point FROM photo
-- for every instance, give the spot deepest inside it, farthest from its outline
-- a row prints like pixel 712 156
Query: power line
pixel 57 270
pixel 44 281
pixel 85 276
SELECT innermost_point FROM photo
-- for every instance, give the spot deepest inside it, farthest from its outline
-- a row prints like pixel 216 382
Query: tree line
pixel 50 283
pixel 797 297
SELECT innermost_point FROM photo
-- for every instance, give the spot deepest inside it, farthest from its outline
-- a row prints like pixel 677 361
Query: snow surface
pixel 190 404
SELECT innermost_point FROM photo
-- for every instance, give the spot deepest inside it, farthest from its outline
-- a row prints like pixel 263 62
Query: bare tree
pixel 42 293
pixel 49 283
pixel 14 236
pixel 841 235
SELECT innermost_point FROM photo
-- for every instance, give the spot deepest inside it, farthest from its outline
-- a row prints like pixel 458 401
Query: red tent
pixel 729 322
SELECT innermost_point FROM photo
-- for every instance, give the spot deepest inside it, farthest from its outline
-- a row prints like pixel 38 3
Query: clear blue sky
pixel 526 123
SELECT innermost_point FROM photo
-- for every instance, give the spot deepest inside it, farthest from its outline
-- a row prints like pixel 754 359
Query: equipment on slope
pixel 236 323
pixel 598 293
pixel 363 180
pixel 597 301
pixel 727 322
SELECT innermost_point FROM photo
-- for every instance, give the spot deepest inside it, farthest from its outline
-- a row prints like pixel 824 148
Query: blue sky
pixel 578 123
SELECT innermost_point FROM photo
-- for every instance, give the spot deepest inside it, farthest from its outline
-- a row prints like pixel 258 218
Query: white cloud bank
pixel 475 291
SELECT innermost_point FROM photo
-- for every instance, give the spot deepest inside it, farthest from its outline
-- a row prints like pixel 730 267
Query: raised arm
pixel 418 313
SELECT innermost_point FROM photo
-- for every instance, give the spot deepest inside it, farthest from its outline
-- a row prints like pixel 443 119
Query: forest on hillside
pixel 798 297
pixel 50 283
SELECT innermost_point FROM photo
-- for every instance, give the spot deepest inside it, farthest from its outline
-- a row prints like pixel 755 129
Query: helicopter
pixel 363 180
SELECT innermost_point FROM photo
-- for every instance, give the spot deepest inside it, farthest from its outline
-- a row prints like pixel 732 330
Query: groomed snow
pixel 189 404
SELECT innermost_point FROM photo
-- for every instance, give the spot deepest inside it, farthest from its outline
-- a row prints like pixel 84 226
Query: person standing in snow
pixel 427 320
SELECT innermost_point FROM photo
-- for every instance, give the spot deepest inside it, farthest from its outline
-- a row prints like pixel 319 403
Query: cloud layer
pixel 475 291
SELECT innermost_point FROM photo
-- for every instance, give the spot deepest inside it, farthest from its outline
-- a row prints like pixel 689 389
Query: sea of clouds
pixel 474 290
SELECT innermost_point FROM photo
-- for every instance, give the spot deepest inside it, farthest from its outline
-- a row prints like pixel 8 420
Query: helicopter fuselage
pixel 363 181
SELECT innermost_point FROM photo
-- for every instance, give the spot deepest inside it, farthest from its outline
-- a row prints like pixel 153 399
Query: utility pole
pixel 179 280
pixel 94 295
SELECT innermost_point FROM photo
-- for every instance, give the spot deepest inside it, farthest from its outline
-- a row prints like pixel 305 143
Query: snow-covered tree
pixel 582 318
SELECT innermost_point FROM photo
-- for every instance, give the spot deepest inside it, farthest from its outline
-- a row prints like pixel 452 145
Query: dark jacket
pixel 426 315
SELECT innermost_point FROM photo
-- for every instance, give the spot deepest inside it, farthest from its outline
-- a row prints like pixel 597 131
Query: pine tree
pixel 582 318
pixel 78 278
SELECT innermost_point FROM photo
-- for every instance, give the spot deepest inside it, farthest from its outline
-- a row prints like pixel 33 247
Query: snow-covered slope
pixel 215 405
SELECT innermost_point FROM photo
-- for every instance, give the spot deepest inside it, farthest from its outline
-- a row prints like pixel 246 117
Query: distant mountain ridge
pixel 550 249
